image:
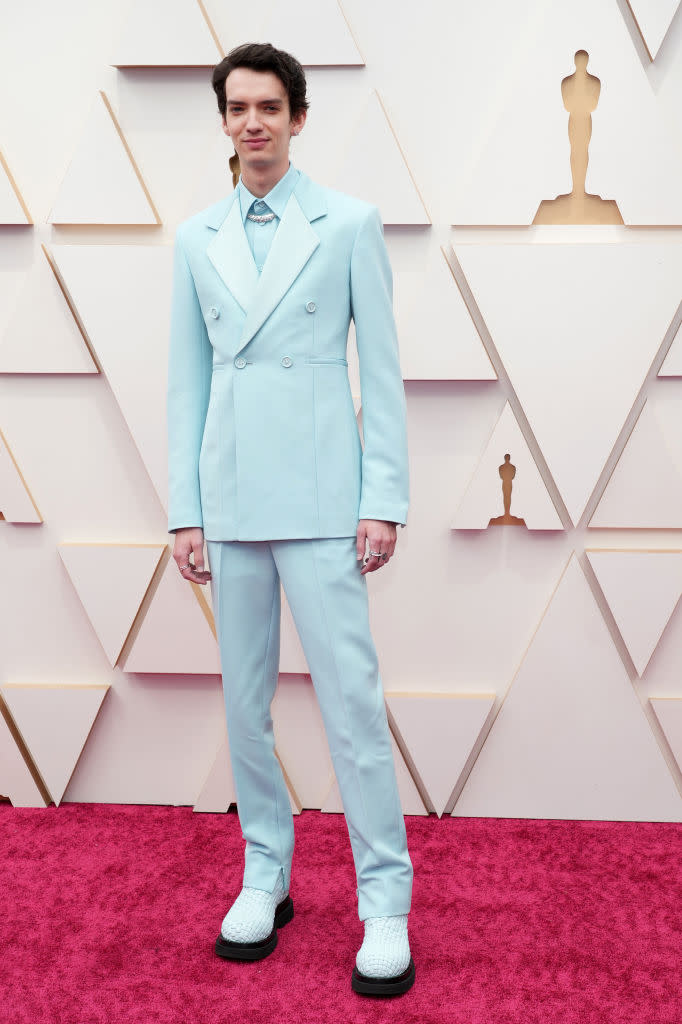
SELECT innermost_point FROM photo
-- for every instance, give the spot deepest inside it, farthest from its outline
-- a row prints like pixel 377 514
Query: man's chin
pixel 255 158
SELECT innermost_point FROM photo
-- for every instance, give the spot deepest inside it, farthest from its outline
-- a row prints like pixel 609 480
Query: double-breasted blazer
pixel 263 441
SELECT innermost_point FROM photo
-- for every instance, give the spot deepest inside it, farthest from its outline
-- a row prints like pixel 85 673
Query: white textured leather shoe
pixel 249 929
pixel 384 965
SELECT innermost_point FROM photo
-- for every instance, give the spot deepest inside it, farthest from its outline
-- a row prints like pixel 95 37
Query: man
pixel 266 466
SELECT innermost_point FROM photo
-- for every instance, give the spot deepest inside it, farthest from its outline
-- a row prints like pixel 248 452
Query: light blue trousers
pixel 328 599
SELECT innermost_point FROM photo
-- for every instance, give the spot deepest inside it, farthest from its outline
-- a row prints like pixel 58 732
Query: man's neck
pixel 260 182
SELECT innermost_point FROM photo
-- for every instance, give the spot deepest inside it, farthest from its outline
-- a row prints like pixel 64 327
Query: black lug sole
pixel 383 986
pixel 257 950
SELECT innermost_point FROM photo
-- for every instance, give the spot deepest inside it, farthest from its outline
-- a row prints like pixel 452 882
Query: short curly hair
pixel 263 57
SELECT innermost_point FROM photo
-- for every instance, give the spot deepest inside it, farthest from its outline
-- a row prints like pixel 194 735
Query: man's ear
pixel 298 122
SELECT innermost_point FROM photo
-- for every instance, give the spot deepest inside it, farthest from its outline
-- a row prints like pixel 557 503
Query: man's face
pixel 257 118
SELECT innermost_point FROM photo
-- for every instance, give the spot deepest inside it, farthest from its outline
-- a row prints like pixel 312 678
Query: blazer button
pixel 214 312
pixel 287 361
pixel 310 306
pixel 240 362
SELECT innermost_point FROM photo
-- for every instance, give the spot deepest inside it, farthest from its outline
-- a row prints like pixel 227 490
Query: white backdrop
pixel 526 675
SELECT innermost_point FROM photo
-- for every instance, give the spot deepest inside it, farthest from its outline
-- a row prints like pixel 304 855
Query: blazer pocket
pixel 321 360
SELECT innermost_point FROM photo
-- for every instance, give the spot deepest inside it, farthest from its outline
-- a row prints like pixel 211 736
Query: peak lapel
pixel 294 243
pixel 230 254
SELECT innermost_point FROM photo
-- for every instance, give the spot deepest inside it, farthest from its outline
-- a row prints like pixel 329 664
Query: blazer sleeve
pixel 190 363
pixel 385 480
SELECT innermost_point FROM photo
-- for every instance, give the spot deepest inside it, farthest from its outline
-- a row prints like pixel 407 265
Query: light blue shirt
pixel 260 236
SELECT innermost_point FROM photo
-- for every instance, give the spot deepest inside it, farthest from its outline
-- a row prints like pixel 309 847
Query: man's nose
pixel 253 121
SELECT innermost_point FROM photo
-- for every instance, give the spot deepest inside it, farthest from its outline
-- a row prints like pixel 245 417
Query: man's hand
pixel 381 537
pixel 187 542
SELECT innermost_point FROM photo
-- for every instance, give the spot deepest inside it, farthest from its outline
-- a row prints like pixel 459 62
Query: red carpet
pixel 109 914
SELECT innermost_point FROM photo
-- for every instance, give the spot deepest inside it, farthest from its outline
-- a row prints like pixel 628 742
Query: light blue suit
pixel 265 455
pixel 262 435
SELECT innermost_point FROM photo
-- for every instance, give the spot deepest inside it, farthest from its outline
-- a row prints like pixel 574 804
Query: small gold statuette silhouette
pixel 507 473
pixel 580 93
pixel 235 168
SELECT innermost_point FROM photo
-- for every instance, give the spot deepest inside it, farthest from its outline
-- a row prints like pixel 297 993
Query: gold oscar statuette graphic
pixel 580 93
pixel 507 473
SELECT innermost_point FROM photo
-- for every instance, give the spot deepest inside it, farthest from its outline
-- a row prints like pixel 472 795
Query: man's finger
pixel 200 575
pixel 379 544
pixel 181 556
pixel 198 552
pixel 193 575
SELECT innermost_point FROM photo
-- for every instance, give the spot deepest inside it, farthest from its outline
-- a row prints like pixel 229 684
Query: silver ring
pixel 188 566
pixel 375 554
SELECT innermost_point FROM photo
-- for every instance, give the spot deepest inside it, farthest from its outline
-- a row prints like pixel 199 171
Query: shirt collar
pixel 276 199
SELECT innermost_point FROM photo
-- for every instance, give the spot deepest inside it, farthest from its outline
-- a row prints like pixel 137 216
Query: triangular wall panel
pixel 176 635
pixel 54 721
pixel 16 780
pixel 583 321
pixel 373 168
pixel 439 731
pixel 410 800
pixel 294 800
pixel 645 488
pixel 672 364
pixel 103 184
pixel 16 502
pixel 642 589
pixel 167 33
pixel 42 335
pixel 316 31
pixel 12 206
pixel 653 19
pixel 111 581
pixel 668 711
pixel 571 739
pixel 218 792
pixel 438 339
pixel 214 181
pixel 122 296
pixel 483 498
pixel 525 156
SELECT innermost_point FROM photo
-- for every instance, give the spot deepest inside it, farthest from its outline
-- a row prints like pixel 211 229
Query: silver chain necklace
pixel 260 218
